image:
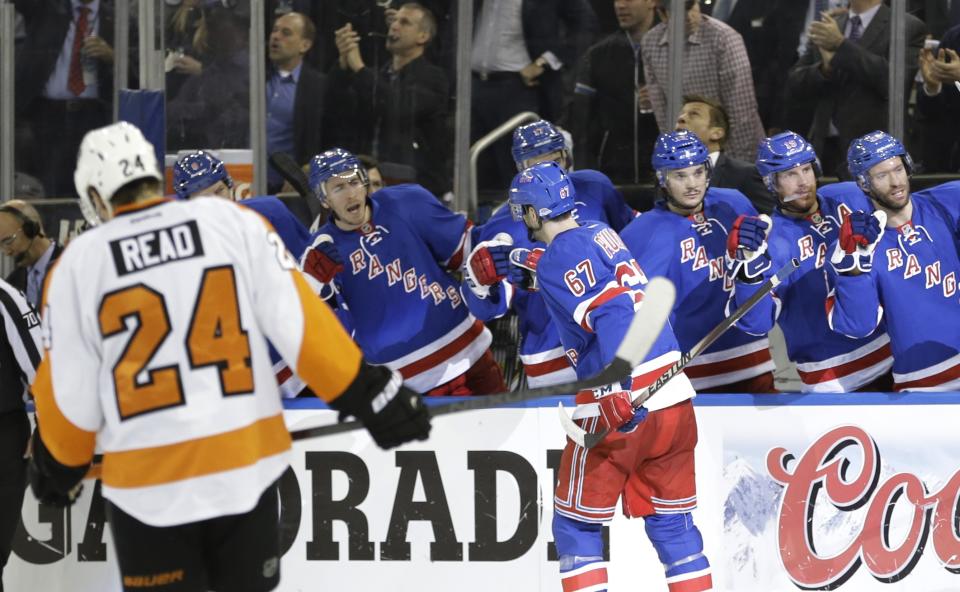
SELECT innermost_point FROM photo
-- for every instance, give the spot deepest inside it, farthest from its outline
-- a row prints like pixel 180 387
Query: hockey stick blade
pixel 640 337
pixel 644 329
pixel 291 172
pixel 591 440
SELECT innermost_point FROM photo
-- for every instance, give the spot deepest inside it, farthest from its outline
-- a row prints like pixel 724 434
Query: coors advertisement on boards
pixel 856 497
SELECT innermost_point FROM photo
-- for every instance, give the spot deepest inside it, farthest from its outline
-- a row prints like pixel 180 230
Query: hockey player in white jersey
pixel 155 327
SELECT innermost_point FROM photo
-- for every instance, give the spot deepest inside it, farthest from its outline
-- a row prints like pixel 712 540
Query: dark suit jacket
pixel 777 44
pixel 854 96
pixel 18 277
pixel 938 120
pixel 562 27
pixel 308 110
pixel 731 173
pixel 936 13
pixel 406 112
pixel 47 23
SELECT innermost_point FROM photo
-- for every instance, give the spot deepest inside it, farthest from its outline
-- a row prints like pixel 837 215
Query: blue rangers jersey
pixel 913 285
pixel 826 361
pixel 544 361
pixel 406 310
pixel 592 286
pixel 296 238
pixel 689 250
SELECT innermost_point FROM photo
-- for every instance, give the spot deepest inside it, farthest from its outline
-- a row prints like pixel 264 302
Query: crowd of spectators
pixel 378 77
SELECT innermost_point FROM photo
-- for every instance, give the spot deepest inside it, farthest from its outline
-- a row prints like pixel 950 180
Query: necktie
pixel 75 83
pixel 856 28
pixel 954 13
pixel 33 287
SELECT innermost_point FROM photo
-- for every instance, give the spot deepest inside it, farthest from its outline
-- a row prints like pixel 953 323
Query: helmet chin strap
pixel 531 230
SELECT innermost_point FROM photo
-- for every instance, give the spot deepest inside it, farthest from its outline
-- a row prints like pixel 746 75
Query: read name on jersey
pixel 156 247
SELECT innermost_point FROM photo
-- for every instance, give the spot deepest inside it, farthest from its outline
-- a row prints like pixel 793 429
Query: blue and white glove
pixel 747 258
pixel 859 236
pixel 523 272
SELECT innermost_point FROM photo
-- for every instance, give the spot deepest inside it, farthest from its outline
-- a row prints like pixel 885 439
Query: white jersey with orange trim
pixel 155 328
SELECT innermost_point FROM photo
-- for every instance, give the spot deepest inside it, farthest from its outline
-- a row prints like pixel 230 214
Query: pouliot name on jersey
pixel 156 247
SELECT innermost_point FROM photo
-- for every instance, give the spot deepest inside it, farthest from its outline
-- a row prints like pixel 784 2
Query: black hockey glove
pixel 391 412
pixel 54 484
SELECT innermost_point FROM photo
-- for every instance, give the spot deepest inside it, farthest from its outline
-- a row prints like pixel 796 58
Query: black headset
pixel 31 229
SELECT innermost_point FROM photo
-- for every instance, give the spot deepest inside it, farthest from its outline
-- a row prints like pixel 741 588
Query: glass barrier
pixel 382 78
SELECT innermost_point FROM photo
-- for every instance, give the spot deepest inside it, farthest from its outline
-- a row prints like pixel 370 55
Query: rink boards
pixel 851 492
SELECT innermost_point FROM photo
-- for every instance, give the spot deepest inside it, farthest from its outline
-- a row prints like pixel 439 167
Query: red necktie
pixel 75 82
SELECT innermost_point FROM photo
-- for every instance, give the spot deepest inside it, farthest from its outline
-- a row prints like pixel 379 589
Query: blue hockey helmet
pixel 535 139
pixel 544 186
pixel 334 162
pixel 678 150
pixel 197 171
pixel 783 152
pixel 867 151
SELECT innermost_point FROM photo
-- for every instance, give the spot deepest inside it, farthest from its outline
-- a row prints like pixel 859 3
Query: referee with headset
pixel 22 237
pixel 20 347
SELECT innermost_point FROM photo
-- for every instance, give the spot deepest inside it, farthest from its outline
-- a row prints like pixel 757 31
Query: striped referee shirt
pixel 20 347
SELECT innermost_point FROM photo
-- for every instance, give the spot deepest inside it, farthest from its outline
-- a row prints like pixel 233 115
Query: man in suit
pixel 22 238
pixel 708 119
pixel 939 15
pixel 847 69
pixel 295 94
pixel 64 82
pixel 521 51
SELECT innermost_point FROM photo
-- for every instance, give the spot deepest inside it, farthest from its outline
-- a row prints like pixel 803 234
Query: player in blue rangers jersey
pixel 486 288
pixel 390 255
pixel 684 238
pixel 592 286
pixel 805 223
pixel 201 174
pixel 900 263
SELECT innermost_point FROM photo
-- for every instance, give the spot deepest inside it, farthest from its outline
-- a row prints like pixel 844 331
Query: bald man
pixel 22 238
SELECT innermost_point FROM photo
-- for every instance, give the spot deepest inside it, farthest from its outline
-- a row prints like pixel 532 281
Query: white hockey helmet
pixel 109 158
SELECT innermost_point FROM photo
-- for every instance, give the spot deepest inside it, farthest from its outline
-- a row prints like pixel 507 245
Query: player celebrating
pixel 900 264
pixel 487 290
pixel 684 238
pixel 201 174
pixel 805 223
pixel 592 286
pixel 155 326
pixel 390 254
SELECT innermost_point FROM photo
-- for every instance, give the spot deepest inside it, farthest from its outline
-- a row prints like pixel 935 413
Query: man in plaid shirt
pixel 715 65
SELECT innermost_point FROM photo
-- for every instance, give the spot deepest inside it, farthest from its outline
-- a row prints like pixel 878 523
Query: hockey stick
pixel 291 172
pixel 588 440
pixel 640 337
